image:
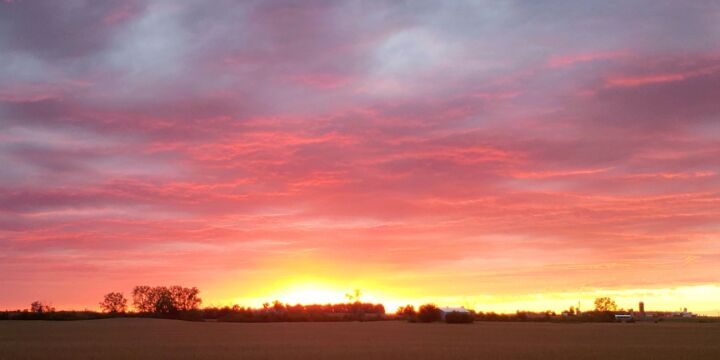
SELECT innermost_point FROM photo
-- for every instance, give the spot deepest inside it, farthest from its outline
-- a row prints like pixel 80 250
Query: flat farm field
pixel 170 339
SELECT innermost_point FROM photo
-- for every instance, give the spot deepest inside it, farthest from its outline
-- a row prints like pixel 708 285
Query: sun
pixel 306 290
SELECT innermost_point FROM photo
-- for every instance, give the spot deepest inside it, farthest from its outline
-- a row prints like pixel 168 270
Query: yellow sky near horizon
pixel 699 299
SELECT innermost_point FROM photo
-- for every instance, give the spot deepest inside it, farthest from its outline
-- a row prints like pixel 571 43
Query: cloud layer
pixel 524 148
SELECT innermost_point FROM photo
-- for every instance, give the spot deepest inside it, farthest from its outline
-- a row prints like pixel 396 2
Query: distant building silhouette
pixel 446 310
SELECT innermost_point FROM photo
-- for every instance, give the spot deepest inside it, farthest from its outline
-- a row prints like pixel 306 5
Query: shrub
pixel 406 312
pixel 456 317
pixel 429 313
pixel 39 308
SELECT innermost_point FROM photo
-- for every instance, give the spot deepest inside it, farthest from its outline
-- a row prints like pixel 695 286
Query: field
pixel 149 338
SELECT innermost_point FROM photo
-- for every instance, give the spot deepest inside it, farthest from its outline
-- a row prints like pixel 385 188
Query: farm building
pixel 446 310
pixel 623 317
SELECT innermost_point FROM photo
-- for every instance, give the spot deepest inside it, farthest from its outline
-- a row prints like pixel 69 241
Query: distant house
pixel 623 317
pixel 446 310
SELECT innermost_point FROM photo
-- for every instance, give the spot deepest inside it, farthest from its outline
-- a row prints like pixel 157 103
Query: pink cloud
pixel 675 175
pixel 118 16
pixel 552 174
pixel 245 139
pixel 568 60
pixel 661 78
pixel 322 81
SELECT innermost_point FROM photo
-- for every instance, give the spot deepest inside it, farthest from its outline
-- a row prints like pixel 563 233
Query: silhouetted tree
pixel 114 303
pixel 40 308
pixel 406 312
pixel 456 317
pixel 277 311
pixel 278 307
pixel 429 313
pixel 164 300
pixel 605 304
pixel 185 299
pixel 142 299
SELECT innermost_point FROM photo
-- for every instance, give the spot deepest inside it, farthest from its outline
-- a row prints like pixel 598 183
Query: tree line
pixel 279 312
pixel 178 302
pixel 161 300
pixel 184 303
pixel 604 310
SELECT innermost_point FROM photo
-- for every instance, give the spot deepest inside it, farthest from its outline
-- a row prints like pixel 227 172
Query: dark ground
pixel 170 339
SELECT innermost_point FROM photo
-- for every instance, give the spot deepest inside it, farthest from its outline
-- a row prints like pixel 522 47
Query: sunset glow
pixel 500 156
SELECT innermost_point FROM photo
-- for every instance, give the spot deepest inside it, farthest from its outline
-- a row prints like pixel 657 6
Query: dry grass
pixel 148 338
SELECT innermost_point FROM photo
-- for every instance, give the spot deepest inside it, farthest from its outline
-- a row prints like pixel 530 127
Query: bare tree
pixel 142 299
pixel 39 307
pixel 185 299
pixel 114 303
pixel 165 300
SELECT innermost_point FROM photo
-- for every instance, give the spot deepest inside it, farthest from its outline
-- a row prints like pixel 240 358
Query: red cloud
pixel 184 144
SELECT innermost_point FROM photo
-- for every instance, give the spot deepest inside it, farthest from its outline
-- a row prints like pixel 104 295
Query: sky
pixel 498 155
